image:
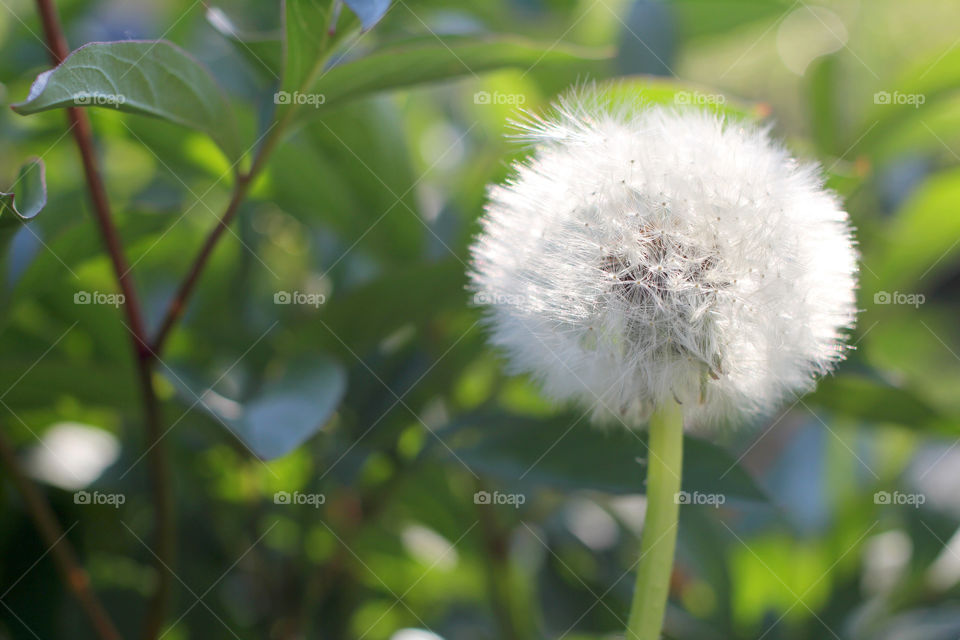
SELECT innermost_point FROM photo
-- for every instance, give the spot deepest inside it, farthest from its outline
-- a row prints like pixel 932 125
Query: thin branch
pixel 162 495
pixel 61 550
pixel 242 184
pixel 240 188
pixel 145 357
pixel 178 303
pixel 82 133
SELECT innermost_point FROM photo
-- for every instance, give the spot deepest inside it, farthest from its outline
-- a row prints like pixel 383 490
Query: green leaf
pixel 655 90
pixel 428 59
pixel 311 30
pixel 28 199
pixel 908 99
pixel 154 78
pixel 414 296
pixel 567 452
pixel 699 18
pixel 284 414
pixel 39 385
pixel 264 51
pixel 921 243
pixel 823 82
pixel 876 400
pixel 18 207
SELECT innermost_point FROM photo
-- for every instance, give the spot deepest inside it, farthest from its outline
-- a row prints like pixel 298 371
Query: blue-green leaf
pixel 28 198
pixel 284 414
pixel 369 11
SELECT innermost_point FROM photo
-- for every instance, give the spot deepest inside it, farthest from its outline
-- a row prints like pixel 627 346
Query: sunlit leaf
pixel 909 97
pixel 428 59
pixel 666 91
pixel 309 39
pixel 154 78
pixel 922 239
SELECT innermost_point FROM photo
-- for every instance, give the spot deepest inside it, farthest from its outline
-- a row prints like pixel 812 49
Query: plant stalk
pixel 659 538
pixel 145 357
pixel 61 550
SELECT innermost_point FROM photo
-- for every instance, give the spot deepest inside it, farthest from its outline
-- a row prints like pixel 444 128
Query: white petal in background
pixel 71 455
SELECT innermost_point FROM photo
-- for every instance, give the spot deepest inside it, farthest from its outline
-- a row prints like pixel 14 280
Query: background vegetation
pixel 372 400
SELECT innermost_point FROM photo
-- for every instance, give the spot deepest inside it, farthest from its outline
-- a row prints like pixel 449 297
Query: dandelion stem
pixel 659 539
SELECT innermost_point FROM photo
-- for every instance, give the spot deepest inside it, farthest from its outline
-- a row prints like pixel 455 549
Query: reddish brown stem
pixel 61 550
pixel 80 127
pixel 178 303
pixel 145 357
pixel 165 526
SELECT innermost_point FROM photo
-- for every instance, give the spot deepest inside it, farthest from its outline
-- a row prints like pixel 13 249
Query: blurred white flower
pixel 414 634
pixel 644 254
pixel 72 455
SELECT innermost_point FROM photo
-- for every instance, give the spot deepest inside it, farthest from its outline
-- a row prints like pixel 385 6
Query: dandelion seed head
pixel 644 254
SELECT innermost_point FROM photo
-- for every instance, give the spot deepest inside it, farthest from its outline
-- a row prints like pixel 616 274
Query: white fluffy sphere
pixel 645 254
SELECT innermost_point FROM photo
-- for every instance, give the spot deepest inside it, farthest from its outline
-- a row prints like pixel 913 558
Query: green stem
pixel 665 461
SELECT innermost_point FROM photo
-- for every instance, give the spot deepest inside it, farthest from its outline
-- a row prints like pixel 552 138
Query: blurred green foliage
pixel 369 206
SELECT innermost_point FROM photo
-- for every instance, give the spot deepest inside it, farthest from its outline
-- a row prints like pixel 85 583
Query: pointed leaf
pixel 428 59
pixel 18 207
pixel 369 11
pixel 154 78
pixel 264 51
pixel 284 414
pixel 312 28
pixel 27 199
